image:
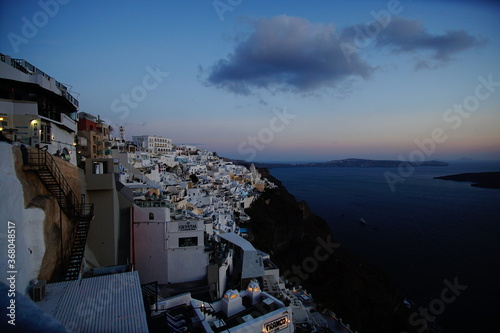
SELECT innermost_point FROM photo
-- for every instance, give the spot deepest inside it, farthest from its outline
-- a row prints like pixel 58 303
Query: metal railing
pixel 45 165
pixel 39 159
pixel 27 68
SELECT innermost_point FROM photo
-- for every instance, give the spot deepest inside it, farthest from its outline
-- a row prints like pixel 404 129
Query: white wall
pixel 186 263
pixel 149 252
pixel 161 214
pixel 28 225
pixel 63 139
pixel 149 243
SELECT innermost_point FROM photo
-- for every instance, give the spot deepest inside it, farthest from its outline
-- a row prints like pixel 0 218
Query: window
pixel 45 133
pixel 188 241
pixel 151 216
pixel 99 168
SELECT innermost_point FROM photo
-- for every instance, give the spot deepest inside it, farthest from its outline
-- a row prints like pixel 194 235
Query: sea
pixel 439 240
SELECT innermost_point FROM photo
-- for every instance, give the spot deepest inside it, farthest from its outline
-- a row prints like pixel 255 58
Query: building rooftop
pixel 27 68
pixel 238 241
pixel 111 303
pixel 264 307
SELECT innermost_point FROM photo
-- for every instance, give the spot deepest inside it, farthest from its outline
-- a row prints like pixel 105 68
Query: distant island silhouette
pixel 347 163
pixel 480 179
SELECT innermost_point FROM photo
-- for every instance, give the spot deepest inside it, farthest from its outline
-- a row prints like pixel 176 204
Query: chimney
pixel 232 303
pixel 253 291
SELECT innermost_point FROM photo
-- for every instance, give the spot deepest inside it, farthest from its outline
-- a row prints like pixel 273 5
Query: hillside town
pixel 130 235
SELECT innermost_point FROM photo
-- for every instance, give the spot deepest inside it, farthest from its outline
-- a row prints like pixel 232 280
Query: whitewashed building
pixel 153 144
pixel 250 310
pixel 165 249
pixel 35 109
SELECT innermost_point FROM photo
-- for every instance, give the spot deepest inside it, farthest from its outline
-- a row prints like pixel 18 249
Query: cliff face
pixel 301 244
pixel 56 227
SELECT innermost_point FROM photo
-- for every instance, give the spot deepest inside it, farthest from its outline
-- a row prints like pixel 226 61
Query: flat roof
pixel 265 306
pixel 238 241
pixel 110 303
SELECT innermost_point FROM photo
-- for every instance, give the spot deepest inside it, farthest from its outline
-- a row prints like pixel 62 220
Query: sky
pixel 277 80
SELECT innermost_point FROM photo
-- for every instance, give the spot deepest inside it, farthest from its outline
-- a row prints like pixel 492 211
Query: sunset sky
pixel 277 80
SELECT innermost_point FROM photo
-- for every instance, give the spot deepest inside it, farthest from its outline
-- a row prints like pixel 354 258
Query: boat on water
pixel 362 221
pixel 408 303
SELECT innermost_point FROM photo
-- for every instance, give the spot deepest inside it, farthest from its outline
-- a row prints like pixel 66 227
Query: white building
pixel 168 160
pixel 186 256
pixel 167 250
pixel 153 144
pixel 250 310
pixel 35 109
pixel 149 234
pixel 188 147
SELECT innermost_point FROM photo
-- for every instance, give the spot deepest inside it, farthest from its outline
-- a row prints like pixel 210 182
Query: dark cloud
pixel 286 53
pixel 293 54
pixel 410 36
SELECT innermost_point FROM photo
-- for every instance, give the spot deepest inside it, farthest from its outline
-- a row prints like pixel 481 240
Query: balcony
pixel 27 68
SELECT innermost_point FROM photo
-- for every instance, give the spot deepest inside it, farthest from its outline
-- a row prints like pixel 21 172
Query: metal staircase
pixel 45 166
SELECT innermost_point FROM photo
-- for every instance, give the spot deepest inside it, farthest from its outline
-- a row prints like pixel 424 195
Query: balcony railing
pixel 27 68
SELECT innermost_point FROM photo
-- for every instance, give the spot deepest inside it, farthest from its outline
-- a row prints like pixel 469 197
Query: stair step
pixel 56 184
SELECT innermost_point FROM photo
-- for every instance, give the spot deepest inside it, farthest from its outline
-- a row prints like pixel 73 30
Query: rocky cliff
pixel 302 245
pixel 56 225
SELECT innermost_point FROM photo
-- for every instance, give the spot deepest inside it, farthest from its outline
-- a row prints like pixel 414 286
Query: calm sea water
pixel 424 232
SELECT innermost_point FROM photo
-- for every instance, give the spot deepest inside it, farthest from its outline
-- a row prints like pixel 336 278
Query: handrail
pixel 80 213
pixel 44 159
pixel 28 68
